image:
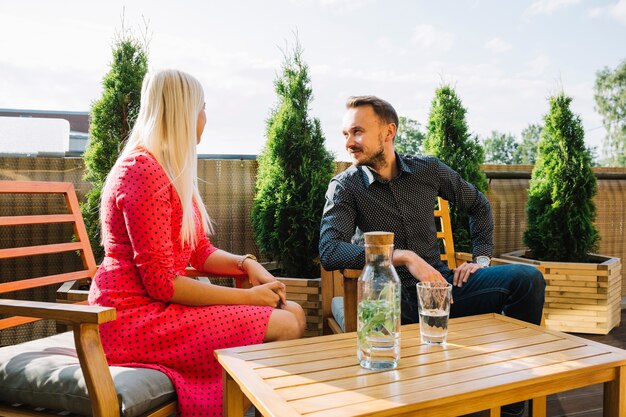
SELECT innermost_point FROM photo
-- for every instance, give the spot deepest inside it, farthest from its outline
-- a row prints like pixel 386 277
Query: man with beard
pixel 384 191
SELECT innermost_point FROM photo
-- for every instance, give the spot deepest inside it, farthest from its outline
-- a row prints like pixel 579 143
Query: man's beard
pixel 377 160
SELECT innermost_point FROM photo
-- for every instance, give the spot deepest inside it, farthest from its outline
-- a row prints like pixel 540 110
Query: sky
pixel 505 58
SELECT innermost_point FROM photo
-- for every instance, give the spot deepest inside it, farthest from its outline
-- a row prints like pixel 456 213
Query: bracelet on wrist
pixel 243 259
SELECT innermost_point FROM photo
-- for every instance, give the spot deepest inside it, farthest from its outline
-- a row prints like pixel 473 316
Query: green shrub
pixel 293 174
pixel 610 95
pixel 560 205
pixel 448 140
pixel 112 117
pixel 409 137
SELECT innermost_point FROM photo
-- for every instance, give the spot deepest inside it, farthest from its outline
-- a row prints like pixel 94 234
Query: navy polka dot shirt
pixel 357 198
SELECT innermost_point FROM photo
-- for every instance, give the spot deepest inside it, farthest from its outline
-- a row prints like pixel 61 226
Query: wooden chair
pixel 106 391
pixel 344 283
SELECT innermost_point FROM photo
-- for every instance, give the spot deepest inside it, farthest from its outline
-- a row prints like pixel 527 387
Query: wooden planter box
pixel 307 293
pixel 580 297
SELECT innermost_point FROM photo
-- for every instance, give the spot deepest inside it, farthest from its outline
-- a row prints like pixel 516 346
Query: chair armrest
pixel 463 257
pixel 85 322
pixel 73 313
pixel 351 273
pixel 350 290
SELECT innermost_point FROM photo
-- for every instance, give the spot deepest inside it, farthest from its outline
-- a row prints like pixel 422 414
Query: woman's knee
pixel 296 309
pixel 286 323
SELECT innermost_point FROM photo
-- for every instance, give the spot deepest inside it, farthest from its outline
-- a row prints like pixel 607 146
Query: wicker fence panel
pixel 227 187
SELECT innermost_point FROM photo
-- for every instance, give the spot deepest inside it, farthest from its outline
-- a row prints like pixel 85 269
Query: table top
pixel 489 360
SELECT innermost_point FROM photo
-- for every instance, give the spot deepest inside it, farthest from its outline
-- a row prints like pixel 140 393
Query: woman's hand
pixel 268 294
pixel 259 276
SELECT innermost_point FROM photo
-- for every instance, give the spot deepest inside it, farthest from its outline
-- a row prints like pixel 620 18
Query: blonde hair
pixel 166 126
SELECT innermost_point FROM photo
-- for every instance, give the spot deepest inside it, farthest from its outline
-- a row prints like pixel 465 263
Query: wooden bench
pixel 64 372
pixel 344 283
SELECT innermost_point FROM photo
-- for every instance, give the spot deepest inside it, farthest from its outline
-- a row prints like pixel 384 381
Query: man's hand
pixel 417 266
pixel 463 272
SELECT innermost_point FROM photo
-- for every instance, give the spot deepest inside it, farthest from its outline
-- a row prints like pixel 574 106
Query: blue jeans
pixel 516 291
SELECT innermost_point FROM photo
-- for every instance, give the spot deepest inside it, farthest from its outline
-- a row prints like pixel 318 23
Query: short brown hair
pixel 382 108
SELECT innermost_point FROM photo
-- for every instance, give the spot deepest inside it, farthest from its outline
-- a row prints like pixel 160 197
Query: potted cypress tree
pixel 583 289
pixel 112 117
pixel 449 140
pixel 293 173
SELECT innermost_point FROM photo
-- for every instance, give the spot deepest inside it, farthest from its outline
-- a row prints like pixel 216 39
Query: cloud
pixel 427 37
pixel 597 12
pixel 616 11
pixel 539 65
pixel 498 45
pixel 548 6
pixel 337 6
pixel 390 47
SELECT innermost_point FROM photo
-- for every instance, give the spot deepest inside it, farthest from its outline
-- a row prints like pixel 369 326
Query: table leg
pixel 494 412
pixel 615 394
pixel 538 405
pixel 233 398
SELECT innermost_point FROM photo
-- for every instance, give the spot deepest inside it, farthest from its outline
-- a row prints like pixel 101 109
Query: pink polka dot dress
pixel 143 255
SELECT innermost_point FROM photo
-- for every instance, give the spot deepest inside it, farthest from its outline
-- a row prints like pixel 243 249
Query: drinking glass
pixel 434 310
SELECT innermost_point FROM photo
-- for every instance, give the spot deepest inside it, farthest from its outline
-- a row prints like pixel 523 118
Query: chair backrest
pixel 43 235
pixel 442 214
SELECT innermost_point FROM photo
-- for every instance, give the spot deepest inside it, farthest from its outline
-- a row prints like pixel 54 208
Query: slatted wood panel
pixel 489 361
pixel 307 293
pixel 580 297
pixel 79 244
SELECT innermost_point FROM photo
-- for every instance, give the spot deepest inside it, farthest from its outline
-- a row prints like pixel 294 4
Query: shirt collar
pixel 371 175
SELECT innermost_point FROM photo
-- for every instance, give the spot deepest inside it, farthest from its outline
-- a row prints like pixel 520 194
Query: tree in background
pixel 610 95
pixel 526 151
pixel 560 204
pixel 448 139
pixel 111 119
pixel 293 174
pixel 500 148
pixel 409 137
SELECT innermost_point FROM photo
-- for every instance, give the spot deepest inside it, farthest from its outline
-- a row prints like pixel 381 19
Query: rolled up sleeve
pixel 202 251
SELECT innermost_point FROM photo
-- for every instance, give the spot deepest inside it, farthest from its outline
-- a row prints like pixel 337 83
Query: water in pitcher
pixel 378 335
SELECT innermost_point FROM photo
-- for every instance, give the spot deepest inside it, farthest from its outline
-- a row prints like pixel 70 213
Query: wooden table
pixel 489 361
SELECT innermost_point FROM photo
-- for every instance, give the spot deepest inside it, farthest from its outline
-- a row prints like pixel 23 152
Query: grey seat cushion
pixel 46 373
pixel 336 307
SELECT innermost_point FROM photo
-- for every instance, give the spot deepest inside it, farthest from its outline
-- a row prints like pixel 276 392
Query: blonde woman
pixel 154 224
